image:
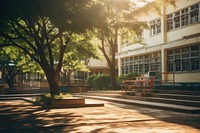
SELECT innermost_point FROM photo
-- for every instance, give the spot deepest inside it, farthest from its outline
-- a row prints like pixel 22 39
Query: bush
pixel 90 80
pixel 99 82
pixel 46 98
pixel 102 82
pixel 127 76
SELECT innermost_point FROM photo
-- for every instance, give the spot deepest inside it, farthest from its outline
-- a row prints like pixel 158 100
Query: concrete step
pixel 176 96
pixel 182 92
pixel 151 99
pixel 172 107
pixel 174 101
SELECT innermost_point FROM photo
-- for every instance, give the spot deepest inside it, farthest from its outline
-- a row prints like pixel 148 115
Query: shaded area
pixel 20 115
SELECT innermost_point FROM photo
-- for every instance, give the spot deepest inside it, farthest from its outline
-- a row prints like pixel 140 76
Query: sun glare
pixel 141 2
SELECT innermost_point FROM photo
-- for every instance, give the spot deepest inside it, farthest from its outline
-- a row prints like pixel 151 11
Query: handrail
pixel 146 82
pixel 152 81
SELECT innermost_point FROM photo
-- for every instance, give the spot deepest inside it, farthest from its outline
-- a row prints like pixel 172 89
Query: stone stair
pixel 180 101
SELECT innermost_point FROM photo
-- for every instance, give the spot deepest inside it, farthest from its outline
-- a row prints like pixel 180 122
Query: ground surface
pixel 22 116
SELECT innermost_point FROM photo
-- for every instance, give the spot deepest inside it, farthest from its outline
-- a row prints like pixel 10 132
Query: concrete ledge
pixel 73 102
pixel 69 101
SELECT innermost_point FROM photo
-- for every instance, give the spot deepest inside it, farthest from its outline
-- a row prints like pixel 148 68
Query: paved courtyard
pixel 20 115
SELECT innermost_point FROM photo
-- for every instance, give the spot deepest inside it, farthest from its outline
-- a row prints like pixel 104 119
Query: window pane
pixel 195 47
pixel 195 64
pixel 185 65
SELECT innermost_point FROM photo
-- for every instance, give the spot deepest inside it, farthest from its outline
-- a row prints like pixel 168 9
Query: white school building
pixel 172 43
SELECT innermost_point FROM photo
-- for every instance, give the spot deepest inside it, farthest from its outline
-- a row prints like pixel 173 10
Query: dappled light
pixel 23 116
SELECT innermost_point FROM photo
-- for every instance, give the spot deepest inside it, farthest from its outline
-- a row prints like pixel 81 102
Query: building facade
pixel 172 43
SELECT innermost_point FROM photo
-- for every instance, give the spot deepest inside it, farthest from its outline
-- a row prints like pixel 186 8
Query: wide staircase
pixel 174 100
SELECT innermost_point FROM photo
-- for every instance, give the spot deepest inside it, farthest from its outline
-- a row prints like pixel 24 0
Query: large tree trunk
pixel 10 82
pixel 68 79
pixel 113 78
pixel 53 80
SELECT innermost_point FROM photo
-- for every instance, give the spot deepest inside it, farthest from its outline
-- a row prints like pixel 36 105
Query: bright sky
pixel 140 3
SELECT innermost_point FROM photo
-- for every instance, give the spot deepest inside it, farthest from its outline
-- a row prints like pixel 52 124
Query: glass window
pixel 155 27
pixel 185 55
pixel 195 64
pixel 141 69
pixel 146 69
pixel 177 19
pixel 131 68
pixel 170 66
pixel 186 49
pixel 185 66
pixel 184 17
pixel 195 47
pixel 195 54
pixel 194 14
pixel 169 22
pixel 136 68
pixel 177 51
pixel 184 59
pixel 169 52
pixel 178 65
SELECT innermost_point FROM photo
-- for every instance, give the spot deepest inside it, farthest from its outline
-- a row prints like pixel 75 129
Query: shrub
pixel 98 82
pixel 127 76
pixel 102 82
pixel 90 80
pixel 46 98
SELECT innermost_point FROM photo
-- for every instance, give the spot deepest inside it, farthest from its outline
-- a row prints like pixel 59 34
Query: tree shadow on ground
pixel 22 116
pixel 192 120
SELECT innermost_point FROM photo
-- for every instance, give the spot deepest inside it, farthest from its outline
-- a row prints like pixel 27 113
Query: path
pixel 22 116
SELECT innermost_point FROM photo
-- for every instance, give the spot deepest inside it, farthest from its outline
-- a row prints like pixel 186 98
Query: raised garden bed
pixel 68 102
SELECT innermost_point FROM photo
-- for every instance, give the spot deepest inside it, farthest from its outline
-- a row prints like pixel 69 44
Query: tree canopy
pixel 14 62
pixel 43 28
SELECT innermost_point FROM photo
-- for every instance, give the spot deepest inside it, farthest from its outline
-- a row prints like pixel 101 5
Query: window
pixel 178 65
pixel 141 64
pixel 194 13
pixel 177 19
pixel 184 17
pixel 184 59
pixel 155 27
pixel 146 68
pixel 169 22
pixel 195 64
pixel 170 66
pixel 185 65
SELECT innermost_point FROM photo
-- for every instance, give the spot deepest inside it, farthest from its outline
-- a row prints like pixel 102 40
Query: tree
pixel 121 18
pixel 79 52
pixel 14 62
pixel 43 28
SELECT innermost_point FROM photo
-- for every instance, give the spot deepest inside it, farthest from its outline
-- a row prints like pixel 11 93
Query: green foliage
pixel 90 80
pixel 99 82
pixel 102 82
pixel 44 29
pixel 13 61
pixel 127 76
pixel 46 98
